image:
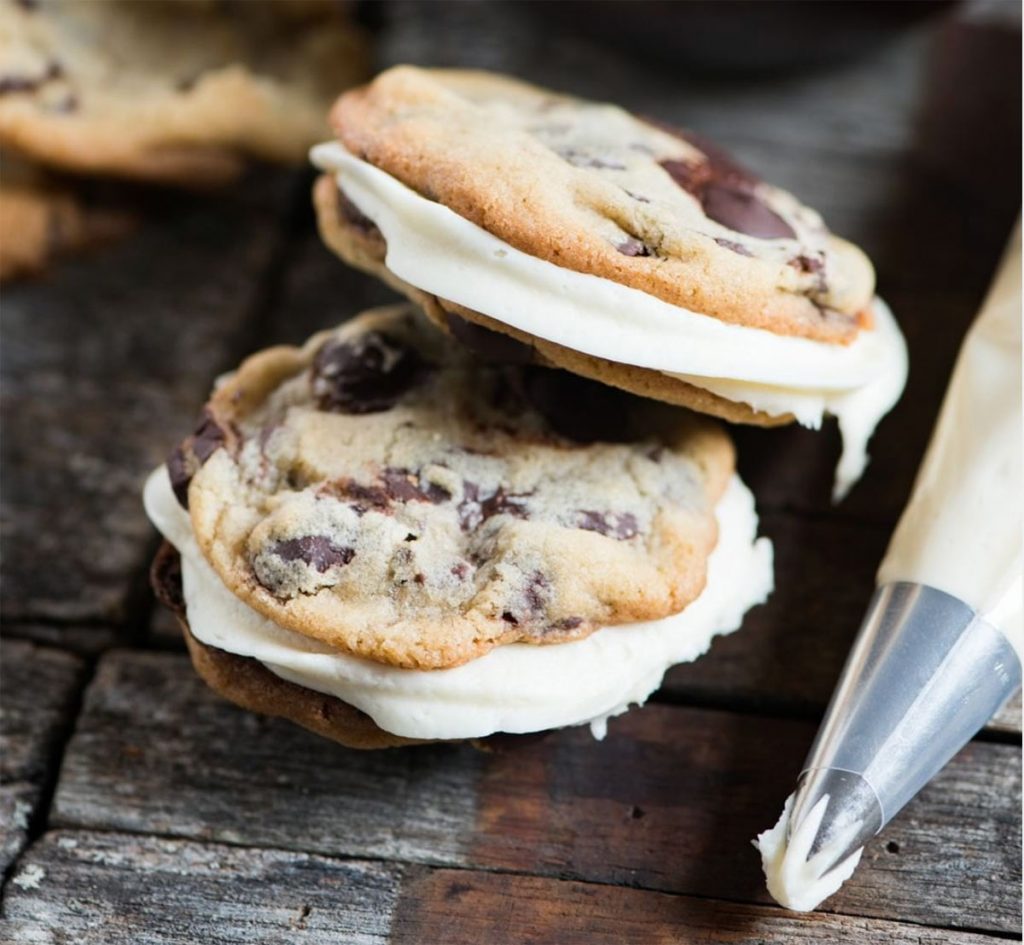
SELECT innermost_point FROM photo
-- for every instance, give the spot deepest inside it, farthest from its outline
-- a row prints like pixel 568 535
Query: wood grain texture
pixel 105 365
pixel 459 907
pixel 87 638
pixel 39 689
pixel 96 889
pixel 669 801
pixel 19 801
pixel 40 686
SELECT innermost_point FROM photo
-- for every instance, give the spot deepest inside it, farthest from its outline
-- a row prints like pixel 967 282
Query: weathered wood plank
pixel 105 364
pixel 87 639
pixel 18 802
pixel 669 801
pixel 459 906
pixel 98 888
pixel 95 889
pixel 39 688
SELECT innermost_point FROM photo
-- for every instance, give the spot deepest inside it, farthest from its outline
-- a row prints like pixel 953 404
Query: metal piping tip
pixel 925 674
pixel 852 816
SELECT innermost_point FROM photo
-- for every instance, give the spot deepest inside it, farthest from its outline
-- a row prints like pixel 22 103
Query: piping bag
pixel 940 648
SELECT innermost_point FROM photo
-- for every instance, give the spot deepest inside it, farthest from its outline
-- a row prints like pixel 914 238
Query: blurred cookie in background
pixel 180 93
pixel 42 217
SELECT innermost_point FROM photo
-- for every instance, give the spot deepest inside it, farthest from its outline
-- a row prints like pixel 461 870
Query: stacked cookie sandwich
pixel 513 524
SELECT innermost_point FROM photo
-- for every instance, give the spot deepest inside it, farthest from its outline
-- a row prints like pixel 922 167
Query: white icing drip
pixel 514 688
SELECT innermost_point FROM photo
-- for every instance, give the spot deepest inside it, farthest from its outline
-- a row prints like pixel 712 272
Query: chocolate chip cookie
pixel 595 189
pixel 387 493
pixel 170 91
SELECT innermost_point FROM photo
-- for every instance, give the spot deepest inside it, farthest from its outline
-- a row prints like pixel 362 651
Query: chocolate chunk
pixel 615 525
pixel 577 408
pixel 403 486
pixel 192 453
pixel 743 211
pixel 812 265
pixel 491 345
pixel 537 593
pixel 727 191
pixel 634 247
pixel 474 510
pixel 729 198
pixel 460 570
pixel 396 485
pixel 317 551
pixel 735 247
pixel 367 374
pixel 807 264
pixel 566 623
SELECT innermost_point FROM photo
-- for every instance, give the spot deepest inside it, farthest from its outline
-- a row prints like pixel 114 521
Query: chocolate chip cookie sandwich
pixel 612 246
pixel 387 539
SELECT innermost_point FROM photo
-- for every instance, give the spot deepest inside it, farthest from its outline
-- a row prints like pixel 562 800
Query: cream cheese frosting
pixel 515 688
pixel 438 251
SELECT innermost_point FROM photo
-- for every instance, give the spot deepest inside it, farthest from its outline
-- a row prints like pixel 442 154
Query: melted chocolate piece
pixel 577 408
pixel 729 198
pixel 367 374
pixel 812 265
pixel 634 247
pixel 742 210
pixel 396 486
pixel 473 510
pixel 620 526
pixel 726 190
pixel 189 457
pixel 403 486
pixel 491 345
pixel 318 551
pixel 735 247
pixel 537 593
pixel 566 623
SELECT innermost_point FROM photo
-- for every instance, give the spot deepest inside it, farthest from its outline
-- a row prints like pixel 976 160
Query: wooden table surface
pixel 137 807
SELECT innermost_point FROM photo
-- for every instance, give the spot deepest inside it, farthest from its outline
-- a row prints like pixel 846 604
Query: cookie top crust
pixel 593 188
pixel 170 90
pixel 383 491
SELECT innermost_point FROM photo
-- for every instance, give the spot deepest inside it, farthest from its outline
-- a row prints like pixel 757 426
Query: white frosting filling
pixel 515 688
pixel 438 251
pixel 796 879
